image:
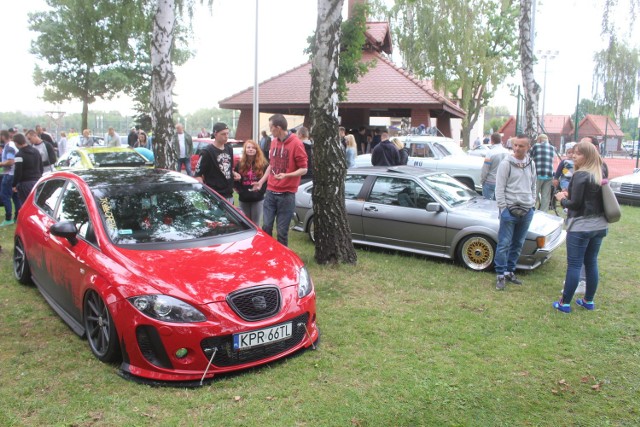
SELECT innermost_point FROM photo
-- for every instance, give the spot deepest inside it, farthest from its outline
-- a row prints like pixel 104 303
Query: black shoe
pixel 511 278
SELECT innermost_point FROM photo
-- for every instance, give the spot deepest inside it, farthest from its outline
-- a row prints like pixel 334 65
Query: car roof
pixel 103 149
pixel 96 178
pixel 391 170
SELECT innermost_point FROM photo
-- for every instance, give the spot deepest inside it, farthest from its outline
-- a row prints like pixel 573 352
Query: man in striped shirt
pixel 542 154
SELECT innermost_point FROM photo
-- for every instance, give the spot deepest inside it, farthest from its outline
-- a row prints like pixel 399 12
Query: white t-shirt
pixel 182 146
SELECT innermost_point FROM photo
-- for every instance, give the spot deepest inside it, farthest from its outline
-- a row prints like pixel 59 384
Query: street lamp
pixel 546 55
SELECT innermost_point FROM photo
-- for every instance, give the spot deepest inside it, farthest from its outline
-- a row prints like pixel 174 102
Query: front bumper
pixel 181 352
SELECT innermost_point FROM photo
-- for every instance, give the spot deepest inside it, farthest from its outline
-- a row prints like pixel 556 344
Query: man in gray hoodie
pixel 516 197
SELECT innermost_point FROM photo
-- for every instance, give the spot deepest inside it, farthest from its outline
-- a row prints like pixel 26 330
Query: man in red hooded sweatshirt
pixel 287 163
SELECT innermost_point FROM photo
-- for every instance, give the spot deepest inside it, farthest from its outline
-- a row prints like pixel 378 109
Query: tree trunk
pixel 162 82
pixel 531 87
pixel 332 230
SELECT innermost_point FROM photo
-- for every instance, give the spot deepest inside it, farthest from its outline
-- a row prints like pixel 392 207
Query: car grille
pixel 255 303
pixel 630 188
pixel 227 356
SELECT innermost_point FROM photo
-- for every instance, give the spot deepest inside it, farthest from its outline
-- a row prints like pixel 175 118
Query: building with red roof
pixel 604 128
pixel 386 90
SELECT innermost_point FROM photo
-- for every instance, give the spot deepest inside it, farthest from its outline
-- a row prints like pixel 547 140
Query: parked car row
pixel 125 258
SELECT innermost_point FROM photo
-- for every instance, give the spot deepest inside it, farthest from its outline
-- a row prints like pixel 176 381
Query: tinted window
pixel 72 208
pixel 399 192
pixel 420 150
pixel 116 158
pixel 47 195
pixel 74 160
pixel 452 191
pixel 165 213
pixel 352 186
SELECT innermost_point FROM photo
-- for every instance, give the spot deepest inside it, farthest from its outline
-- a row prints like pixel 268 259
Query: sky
pixel 224 41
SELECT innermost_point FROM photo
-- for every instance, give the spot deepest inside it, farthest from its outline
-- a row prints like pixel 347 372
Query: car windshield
pixel 116 158
pixel 444 151
pixel 162 213
pixel 449 189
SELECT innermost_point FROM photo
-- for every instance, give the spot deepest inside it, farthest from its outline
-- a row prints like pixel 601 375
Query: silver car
pixel 439 154
pixel 409 209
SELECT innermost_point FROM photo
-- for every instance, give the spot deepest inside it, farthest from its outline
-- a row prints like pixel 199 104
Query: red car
pixel 160 273
pixel 200 143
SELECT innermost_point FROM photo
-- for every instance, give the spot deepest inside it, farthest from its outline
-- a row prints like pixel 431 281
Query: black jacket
pixel 585 196
pixel 385 154
pixel 28 164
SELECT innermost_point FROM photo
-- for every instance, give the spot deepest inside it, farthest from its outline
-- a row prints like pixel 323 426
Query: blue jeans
pixel 489 190
pixel 279 208
pixel 186 161
pixel 6 195
pixel 582 248
pixel 511 236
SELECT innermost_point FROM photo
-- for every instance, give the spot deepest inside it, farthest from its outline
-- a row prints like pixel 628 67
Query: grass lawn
pixel 406 341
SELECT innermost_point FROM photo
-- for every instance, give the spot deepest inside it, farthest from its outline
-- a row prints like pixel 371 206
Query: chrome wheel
pixel 477 252
pixel 21 269
pixel 99 327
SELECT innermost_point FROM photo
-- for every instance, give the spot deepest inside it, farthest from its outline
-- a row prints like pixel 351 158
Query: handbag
pixel 611 207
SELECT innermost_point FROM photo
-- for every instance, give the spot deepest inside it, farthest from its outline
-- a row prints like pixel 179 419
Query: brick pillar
pixel 245 125
pixel 444 126
pixel 420 116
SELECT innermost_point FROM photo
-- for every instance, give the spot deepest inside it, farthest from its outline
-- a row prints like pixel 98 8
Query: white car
pixel 440 154
pixel 627 188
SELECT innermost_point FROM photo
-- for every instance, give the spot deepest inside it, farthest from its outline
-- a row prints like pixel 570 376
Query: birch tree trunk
pixel 162 82
pixel 531 87
pixel 332 230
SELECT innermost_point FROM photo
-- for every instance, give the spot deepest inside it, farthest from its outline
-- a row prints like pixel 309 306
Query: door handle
pixel 371 209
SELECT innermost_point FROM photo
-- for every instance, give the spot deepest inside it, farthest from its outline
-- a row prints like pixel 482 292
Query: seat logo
pixel 259 303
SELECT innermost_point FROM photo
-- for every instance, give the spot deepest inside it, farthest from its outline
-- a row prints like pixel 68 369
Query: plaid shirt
pixel 542 154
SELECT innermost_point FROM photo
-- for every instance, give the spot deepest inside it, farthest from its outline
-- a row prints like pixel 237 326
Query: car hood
pixel 462 162
pixel 633 178
pixel 483 210
pixel 208 274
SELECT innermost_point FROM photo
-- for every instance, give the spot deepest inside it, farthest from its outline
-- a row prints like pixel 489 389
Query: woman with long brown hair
pixel 251 167
pixel 586 225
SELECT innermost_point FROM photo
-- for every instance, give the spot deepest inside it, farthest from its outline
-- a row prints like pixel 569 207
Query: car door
pixel 354 203
pixel 72 262
pixel 39 246
pixel 395 214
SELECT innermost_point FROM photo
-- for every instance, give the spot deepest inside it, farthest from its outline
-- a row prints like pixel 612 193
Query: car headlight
pixel 305 286
pixel 166 308
pixel 615 185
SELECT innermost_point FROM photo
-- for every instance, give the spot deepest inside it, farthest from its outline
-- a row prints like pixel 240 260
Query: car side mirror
pixel 65 229
pixel 434 207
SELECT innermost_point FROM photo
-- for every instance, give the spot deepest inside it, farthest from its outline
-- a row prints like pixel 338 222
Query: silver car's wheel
pixel 311 230
pixel 476 252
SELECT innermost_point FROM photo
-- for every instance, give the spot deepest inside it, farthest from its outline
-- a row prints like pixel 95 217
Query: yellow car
pixel 101 157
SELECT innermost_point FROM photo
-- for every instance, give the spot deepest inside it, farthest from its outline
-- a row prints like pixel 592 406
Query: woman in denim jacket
pixel 586 225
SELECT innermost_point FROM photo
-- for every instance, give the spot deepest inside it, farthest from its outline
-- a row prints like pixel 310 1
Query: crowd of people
pixel 266 178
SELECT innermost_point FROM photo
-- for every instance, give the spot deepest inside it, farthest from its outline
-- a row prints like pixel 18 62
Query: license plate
pixel 262 336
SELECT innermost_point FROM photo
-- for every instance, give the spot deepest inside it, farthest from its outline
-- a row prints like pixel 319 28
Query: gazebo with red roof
pixel 386 90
